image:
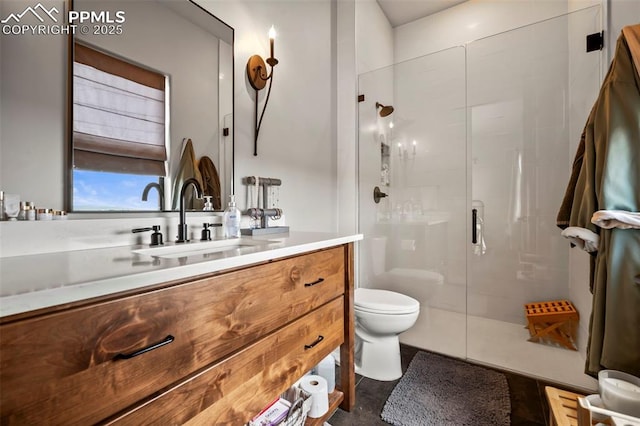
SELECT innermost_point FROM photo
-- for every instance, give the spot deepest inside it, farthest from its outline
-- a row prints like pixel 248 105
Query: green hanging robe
pixel 608 161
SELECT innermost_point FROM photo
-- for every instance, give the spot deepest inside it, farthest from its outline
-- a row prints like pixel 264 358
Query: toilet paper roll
pixel 317 387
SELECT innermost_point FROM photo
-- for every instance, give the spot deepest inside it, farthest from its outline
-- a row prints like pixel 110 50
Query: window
pixel 118 115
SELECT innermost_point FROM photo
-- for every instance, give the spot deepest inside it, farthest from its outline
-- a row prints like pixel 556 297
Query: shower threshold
pixel 499 344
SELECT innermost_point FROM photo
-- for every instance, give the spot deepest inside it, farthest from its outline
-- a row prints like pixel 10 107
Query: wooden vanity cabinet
pixel 223 347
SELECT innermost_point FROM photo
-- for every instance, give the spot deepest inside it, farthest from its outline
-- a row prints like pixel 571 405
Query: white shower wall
pixel 474 20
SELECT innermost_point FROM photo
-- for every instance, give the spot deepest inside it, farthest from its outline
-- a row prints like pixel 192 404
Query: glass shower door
pixel 415 233
pixel 529 94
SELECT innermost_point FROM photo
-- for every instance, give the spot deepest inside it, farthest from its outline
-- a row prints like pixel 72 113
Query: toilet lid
pixel 384 301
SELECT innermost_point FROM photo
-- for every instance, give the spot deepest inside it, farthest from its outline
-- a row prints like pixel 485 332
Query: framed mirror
pixel 151 105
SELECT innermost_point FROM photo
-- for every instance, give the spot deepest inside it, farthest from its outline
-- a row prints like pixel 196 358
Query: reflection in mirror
pixel 119 132
pixel 152 101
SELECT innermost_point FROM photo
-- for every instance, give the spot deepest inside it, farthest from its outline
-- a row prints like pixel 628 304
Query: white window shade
pixel 118 115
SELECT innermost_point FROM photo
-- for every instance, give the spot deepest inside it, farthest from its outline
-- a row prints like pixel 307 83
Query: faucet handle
pixel 156 237
pixel 206 232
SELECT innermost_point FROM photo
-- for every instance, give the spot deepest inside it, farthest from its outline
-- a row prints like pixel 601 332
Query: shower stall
pixel 469 167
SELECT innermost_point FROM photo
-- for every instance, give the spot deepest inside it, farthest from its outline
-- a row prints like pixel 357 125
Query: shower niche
pixel 385 162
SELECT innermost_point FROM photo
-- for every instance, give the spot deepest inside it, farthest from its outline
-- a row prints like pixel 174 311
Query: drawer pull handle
pixel 318 281
pixel 318 340
pixel 165 341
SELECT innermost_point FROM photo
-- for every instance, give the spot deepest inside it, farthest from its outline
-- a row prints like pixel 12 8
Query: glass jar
pixel 59 215
pixel 45 214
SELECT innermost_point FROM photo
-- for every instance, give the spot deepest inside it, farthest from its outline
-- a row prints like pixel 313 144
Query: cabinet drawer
pixel 236 389
pixel 60 368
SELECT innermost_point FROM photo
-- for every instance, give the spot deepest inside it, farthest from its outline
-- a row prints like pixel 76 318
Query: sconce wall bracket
pixel 258 77
pixel 257 72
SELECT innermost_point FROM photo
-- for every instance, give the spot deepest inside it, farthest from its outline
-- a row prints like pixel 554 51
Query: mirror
pixel 151 103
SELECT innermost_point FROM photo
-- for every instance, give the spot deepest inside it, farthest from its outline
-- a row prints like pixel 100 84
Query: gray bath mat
pixel 438 390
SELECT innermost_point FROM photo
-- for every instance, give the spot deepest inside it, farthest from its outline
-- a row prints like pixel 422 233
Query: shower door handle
pixel 474 226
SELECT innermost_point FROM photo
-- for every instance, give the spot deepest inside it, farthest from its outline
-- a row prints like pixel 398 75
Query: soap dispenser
pixel 231 220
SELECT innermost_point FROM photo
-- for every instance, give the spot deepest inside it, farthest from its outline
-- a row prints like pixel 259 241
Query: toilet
pixel 381 315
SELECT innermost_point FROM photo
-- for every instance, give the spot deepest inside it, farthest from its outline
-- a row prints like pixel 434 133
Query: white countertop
pixel 39 281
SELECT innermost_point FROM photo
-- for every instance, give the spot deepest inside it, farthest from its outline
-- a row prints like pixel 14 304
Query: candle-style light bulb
pixel 272 37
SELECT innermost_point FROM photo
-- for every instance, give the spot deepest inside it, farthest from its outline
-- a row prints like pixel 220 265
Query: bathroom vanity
pixel 211 343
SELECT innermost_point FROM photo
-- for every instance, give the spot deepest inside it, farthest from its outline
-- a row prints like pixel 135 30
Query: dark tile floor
pixel 528 402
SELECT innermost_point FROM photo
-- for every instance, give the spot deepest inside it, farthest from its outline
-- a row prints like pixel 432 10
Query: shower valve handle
pixel 377 195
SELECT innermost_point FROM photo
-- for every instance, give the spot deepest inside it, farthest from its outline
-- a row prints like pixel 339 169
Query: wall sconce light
pixel 258 77
pixel 403 152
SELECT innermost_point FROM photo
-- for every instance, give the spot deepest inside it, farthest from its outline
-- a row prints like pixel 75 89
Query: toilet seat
pixel 384 302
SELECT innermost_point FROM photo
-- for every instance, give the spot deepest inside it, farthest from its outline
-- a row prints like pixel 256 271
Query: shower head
pixel 385 111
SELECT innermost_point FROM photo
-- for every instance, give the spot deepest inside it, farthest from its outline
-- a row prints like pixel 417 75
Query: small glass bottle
pixel 231 219
pixel 208 205
pixel 23 211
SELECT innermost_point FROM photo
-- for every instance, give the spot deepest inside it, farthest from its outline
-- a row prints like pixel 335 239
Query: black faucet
pixel 159 187
pixel 182 226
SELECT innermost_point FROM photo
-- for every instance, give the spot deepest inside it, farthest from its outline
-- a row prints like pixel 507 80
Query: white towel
pixel 616 219
pixel 583 238
pixel 480 248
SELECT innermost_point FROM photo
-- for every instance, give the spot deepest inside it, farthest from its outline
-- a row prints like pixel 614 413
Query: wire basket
pixel 300 405
pixel 299 402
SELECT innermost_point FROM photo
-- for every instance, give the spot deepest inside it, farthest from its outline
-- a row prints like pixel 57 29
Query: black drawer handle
pixel 165 341
pixel 318 281
pixel 318 340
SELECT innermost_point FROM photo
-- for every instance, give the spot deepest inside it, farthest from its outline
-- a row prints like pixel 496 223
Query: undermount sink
pixel 197 248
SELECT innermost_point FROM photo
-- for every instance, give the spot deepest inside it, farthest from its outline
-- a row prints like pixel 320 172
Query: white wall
pixel 296 142
pixel 346 116
pixel 620 14
pixel 374 37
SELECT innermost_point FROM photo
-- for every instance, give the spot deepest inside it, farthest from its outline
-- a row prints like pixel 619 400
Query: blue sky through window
pixel 105 191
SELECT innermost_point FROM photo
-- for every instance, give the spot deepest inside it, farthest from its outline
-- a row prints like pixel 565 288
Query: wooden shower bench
pixel 554 321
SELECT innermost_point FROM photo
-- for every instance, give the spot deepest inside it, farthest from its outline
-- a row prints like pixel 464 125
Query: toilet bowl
pixel 381 315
